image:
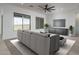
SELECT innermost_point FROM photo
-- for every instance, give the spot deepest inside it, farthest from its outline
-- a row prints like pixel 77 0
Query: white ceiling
pixel 65 6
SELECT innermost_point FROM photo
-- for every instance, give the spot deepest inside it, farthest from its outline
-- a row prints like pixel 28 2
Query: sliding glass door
pixel 26 23
pixel 17 23
pixel 22 22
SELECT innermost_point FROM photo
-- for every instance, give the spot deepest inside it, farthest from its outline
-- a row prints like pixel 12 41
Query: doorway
pixel 1 27
pixel 77 25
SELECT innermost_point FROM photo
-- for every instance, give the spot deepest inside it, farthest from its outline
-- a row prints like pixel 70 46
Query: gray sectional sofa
pixel 41 43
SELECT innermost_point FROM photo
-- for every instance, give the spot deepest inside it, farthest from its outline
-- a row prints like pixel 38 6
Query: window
pixel 21 22
pixel 39 23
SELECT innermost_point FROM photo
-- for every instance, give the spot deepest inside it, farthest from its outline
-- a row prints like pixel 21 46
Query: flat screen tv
pixel 59 23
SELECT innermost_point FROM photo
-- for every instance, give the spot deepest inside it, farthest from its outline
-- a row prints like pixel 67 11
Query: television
pixel 59 23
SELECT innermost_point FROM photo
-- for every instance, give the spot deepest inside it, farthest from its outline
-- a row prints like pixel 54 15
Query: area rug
pixel 66 48
pixel 22 48
pixel 13 50
pixel 25 51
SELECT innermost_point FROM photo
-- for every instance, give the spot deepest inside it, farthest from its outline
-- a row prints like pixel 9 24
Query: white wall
pixel 68 15
pixel 8 11
pixel 0 24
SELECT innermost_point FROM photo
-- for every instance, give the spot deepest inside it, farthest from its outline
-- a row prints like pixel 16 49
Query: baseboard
pixel 10 38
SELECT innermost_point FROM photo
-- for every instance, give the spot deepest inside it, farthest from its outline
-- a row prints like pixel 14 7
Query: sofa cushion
pixel 42 34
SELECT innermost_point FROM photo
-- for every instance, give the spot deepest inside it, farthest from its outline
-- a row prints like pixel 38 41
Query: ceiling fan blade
pixel 49 10
pixel 51 7
pixel 46 6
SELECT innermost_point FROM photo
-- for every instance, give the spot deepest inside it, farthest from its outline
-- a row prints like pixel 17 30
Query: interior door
pixel 1 26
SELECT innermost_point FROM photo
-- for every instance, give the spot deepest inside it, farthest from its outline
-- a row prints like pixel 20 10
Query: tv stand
pixel 60 31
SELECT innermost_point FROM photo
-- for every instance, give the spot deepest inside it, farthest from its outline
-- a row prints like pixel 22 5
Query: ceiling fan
pixel 47 8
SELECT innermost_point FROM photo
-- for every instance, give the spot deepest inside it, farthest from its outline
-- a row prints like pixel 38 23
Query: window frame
pixel 40 18
pixel 22 21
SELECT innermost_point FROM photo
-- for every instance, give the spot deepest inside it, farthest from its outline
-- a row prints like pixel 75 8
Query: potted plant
pixel 71 30
pixel 46 27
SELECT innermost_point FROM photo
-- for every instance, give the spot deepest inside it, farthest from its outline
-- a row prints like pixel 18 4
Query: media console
pixel 60 31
